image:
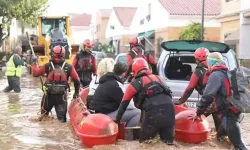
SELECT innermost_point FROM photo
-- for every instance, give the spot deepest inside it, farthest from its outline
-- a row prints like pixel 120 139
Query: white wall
pixel 78 35
pixel 244 32
pixel 159 17
pixel 119 29
pixel 245 4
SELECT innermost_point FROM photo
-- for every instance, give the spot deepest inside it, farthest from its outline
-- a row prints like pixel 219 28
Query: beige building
pixel 102 19
pixel 230 23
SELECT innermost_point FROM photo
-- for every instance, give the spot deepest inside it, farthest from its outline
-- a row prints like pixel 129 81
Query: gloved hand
pixel 177 101
pixel 76 95
pixel 34 59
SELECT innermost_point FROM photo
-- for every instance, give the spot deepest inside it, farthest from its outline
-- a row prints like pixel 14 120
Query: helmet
pixel 138 65
pixel 214 58
pixel 87 43
pixel 134 41
pixel 201 54
pixel 58 51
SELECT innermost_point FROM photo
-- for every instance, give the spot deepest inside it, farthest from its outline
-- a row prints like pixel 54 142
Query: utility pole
pixel 202 20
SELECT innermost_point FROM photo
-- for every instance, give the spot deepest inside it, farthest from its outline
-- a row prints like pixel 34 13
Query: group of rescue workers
pixel 154 108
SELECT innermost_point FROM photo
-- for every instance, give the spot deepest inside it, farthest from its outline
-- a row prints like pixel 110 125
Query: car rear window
pixel 182 67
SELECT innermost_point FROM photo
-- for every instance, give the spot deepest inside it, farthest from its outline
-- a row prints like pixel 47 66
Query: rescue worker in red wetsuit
pixel 85 64
pixel 136 51
pixel 198 81
pixel 154 99
pixel 55 87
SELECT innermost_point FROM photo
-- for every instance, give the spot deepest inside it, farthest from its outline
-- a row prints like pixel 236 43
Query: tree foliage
pixel 191 32
pixel 22 10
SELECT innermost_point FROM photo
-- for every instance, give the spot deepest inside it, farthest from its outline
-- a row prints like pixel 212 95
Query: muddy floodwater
pixel 20 130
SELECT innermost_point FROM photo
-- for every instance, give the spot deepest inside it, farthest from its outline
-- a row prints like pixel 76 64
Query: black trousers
pixel 57 101
pixel 231 124
pixel 14 84
pixel 217 123
pixel 159 119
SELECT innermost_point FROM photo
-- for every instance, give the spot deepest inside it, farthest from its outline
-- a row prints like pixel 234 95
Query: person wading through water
pixel 56 84
pixel 154 99
pixel 85 64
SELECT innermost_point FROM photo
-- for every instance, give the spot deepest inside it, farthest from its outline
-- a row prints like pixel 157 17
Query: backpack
pixel 57 81
pixel 240 97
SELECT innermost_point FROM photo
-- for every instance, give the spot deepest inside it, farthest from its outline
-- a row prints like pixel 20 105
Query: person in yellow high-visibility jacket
pixel 14 70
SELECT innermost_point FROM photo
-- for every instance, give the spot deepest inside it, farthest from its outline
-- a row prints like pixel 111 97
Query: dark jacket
pixel 218 88
pixel 108 94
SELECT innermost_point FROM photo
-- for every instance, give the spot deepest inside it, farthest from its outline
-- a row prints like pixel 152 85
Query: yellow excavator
pixel 52 31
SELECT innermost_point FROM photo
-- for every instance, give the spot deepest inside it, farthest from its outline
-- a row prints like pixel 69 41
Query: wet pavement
pixel 20 130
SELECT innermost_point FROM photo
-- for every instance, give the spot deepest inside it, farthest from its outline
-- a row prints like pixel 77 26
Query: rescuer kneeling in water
pixel 154 98
pixel 56 85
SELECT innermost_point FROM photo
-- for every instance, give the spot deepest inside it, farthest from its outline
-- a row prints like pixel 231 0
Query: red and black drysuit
pixel 85 65
pixel 57 100
pixel 154 99
pixel 198 81
pixel 136 52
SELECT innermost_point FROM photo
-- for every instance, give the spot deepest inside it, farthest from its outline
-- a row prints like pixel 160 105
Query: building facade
pixel 162 20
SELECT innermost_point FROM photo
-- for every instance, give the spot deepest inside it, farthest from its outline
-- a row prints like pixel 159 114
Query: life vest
pixel 202 73
pixel 84 62
pixel 145 96
pixel 57 81
pixel 11 69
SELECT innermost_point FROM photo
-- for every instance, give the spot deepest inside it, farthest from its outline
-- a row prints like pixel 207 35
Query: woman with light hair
pixel 106 65
pixel 108 95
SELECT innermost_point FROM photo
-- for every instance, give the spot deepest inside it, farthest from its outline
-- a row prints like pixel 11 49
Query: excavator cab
pixel 62 42
pixel 54 30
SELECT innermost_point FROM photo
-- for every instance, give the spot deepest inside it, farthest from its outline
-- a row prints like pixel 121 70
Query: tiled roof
pixel 81 20
pixel 125 15
pixel 105 12
pixel 191 7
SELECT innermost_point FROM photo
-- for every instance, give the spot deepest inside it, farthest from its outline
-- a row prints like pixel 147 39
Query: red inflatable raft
pixel 92 129
pixel 188 131
pixel 83 94
pixel 185 130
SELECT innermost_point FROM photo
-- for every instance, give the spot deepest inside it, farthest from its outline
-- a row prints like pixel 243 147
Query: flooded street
pixel 19 129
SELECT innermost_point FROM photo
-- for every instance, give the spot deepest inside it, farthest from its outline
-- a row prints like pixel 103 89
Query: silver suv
pixel 177 62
